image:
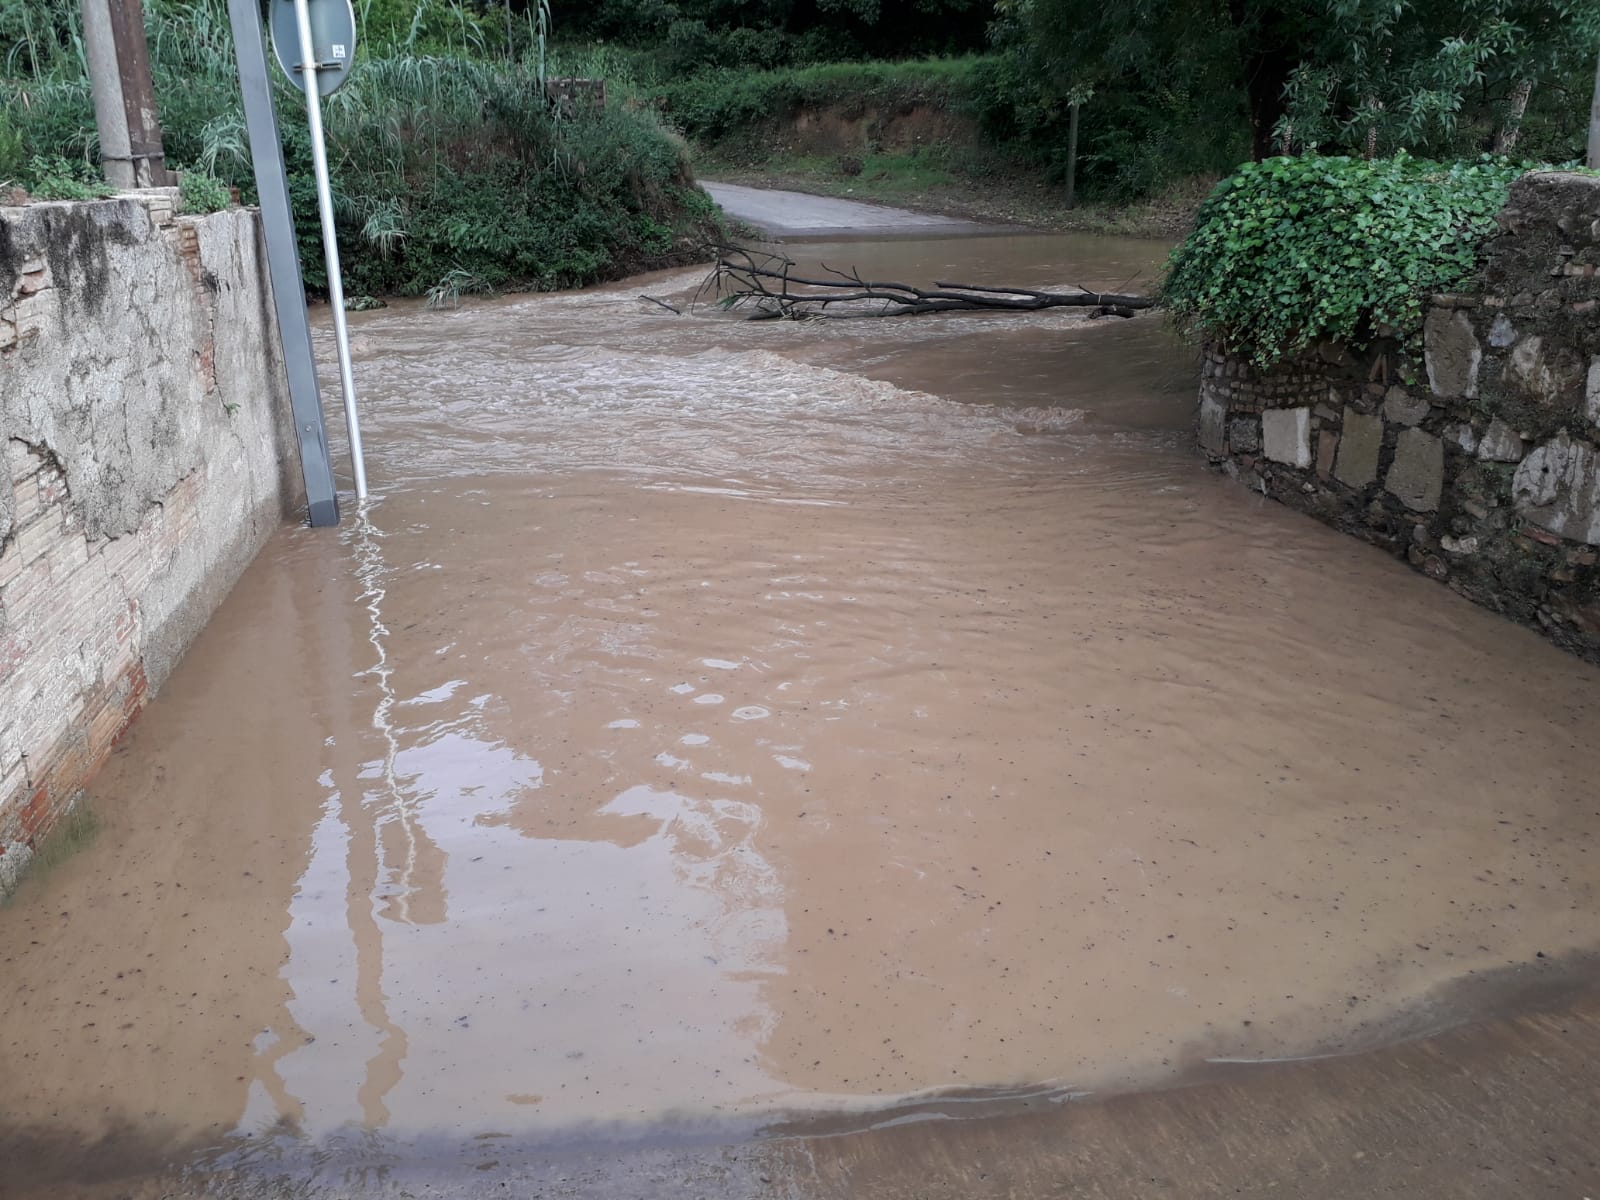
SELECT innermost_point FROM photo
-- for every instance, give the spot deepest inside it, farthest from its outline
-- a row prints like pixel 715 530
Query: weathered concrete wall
pixel 1479 463
pixel 143 427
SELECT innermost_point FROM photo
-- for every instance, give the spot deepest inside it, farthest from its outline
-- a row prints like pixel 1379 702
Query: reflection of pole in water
pixel 396 808
pixel 384 1069
pixel 351 852
pixel 320 1066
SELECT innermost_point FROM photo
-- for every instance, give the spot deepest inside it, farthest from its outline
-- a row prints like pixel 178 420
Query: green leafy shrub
pixel 1290 251
pixel 443 168
pixel 455 173
pixel 51 177
pixel 202 193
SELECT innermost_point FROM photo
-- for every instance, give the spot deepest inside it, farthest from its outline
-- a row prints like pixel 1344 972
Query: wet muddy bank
pixel 716 722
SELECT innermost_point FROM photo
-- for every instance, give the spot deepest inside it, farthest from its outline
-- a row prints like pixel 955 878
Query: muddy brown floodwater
pixel 714 722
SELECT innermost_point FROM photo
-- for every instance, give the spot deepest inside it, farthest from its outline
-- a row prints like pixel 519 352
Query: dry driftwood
pixel 766 284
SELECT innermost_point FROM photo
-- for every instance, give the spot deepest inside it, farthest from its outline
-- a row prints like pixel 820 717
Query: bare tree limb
pixel 766 284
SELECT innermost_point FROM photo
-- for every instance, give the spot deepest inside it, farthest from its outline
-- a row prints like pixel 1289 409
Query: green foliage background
pixel 716 104
pixel 449 170
pixel 1175 87
pixel 1168 89
pixel 679 37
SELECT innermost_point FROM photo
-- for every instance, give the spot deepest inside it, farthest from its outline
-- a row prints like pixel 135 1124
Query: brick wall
pixel 145 459
pixel 1479 463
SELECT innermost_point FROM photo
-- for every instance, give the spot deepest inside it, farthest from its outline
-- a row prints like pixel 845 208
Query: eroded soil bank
pixel 717 724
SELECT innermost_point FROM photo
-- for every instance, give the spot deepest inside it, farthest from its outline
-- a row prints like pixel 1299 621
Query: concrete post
pixel 105 81
pixel 138 94
pixel 131 154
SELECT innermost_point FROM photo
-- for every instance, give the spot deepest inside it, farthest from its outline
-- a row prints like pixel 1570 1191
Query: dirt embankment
pixel 857 130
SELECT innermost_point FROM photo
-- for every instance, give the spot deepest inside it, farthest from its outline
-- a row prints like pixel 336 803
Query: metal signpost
pixel 283 262
pixel 315 42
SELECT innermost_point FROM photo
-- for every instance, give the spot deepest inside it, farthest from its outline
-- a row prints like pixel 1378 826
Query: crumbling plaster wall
pixel 148 453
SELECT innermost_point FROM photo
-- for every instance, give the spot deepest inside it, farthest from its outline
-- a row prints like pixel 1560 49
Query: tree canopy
pixel 1363 75
pixel 693 34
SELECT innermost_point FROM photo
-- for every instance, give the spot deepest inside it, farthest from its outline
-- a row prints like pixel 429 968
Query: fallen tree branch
pixel 767 286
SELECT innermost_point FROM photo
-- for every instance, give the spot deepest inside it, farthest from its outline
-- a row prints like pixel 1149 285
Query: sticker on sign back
pixel 334 40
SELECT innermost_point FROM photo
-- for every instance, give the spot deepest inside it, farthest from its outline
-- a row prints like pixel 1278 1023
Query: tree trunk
pixel 1594 123
pixel 1505 141
pixel 119 69
pixel 1268 75
pixel 764 283
pixel 1072 155
pixel 105 85
pixel 1269 49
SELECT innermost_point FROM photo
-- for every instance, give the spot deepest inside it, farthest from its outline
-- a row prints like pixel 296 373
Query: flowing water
pixel 713 721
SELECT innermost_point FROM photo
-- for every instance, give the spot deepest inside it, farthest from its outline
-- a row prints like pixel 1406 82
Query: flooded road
pixel 715 723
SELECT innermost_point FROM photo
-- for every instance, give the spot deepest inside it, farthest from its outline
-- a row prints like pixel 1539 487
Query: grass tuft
pixel 75 831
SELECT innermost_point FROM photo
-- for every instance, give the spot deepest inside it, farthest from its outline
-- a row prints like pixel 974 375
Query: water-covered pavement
pixel 797 214
pixel 716 728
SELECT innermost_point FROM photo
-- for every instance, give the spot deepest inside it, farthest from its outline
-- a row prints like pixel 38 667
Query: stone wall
pixel 143 427
pixel 1479 463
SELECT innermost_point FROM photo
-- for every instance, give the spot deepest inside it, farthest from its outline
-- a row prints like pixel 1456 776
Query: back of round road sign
pixel 333 37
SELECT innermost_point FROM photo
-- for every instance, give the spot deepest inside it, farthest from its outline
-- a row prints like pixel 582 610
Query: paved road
pixel 796 214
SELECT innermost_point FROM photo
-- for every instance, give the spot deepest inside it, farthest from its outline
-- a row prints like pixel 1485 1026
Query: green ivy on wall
pixel 1291 251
